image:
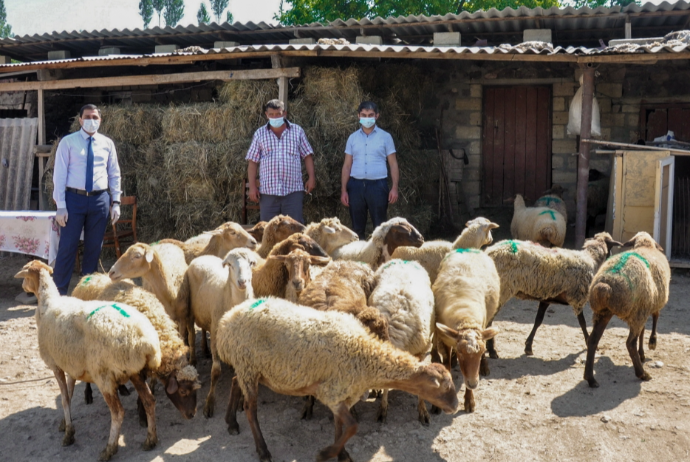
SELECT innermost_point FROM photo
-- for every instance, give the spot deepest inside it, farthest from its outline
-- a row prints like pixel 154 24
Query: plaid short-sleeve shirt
pixel 279 159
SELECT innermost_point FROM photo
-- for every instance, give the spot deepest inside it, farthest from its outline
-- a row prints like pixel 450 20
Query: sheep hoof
pixel 122 389
pixel 528 350
pixel 493 354
pixel 652 343
pixel 61 427
pixel 469 405
pixel 593 383
pixel 233 428
pixel 208 408
pixel 150 443
pixel 645 377
pixel 424 419
pixel 307 411
pixel 266 457
pixel 68 439
pixel 344 456
pixel 108 452
pixel 642 357
pixel 382 415
pixel 435 410
pixel 88 396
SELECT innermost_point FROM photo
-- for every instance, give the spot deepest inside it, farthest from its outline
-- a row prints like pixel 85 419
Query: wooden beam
pixel 41 115
pixel 283 90
pixel 41 141
pixel 154 79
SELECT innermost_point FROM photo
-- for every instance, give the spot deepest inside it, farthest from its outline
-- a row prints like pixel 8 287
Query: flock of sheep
pixel 311 311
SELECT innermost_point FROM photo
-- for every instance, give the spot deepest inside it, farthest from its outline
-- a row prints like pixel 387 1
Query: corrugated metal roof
pixel 571 26
pixel 17 140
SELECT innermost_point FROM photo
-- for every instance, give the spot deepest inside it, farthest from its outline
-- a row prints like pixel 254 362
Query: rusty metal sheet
pixel 17 141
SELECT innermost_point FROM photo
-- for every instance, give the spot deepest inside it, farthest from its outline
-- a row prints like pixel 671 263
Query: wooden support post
pixel 41 118
pixel 583 157
pixel 283 90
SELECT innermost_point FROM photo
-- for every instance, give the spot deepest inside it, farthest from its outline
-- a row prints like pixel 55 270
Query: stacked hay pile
pixel 185 163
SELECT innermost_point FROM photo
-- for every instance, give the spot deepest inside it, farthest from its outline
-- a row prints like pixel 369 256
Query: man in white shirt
pixel 364 178
pixel 85 168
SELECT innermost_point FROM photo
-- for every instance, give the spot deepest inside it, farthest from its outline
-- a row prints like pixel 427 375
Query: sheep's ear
pixel 278 257
pixel 252 263
pixel 630 243
pixel 149 255
pixel 329 230
pixel 22 274
pixel 493 225
pixel 172 386
pixel 446 332
pixel 490 333
pixel 319 261
pixel 658 247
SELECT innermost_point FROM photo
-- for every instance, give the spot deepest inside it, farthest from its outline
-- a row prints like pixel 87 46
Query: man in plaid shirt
pixel 277 148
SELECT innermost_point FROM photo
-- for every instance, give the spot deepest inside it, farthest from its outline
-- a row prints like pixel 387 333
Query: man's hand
pixel 393 196
pixel 311 184
pixel 115 213
pixel 61 217
pixel 345 198
pixel 253 193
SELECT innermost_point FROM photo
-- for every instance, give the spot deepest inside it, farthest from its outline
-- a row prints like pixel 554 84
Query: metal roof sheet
pixel 570 26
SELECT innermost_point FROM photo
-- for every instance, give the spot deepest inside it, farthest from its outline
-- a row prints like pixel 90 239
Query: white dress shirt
pixel 369 153
pixel 70 166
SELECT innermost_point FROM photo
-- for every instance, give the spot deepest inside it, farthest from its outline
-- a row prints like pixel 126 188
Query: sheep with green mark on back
pixel 538 224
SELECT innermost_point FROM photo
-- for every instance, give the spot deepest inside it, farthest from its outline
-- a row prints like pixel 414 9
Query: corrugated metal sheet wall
pixel 17 141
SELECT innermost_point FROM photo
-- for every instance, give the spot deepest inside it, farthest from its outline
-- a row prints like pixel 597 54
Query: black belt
pixel 81 192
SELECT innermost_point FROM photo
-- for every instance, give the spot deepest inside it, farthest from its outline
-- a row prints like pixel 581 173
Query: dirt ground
pixel 529 408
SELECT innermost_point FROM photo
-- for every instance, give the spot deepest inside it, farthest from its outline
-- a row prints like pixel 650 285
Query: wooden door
pixel 516 143
pixel 657 119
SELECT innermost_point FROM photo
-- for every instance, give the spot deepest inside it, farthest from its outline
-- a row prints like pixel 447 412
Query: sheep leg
pixel 117 415
pixel 233 405
pixel 215 375
pixel 469 400
pixel 382 415
pixel 149 403
pixel 537 322
pixel 141 410
pixel 250 409
pixel 424 417
pixel 68 439
pixel 484 367
pixel 204 345
pixel 491 345
pixel 191 339
pixel 652 338
pixel 583 325
pixel 308 409
pixel 345 428
pixel 631 344
pixel 641 343
pixel 70 388
pixel 88 394
pixel 600 322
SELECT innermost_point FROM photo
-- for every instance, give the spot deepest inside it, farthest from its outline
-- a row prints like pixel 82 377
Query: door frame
pixel 663 219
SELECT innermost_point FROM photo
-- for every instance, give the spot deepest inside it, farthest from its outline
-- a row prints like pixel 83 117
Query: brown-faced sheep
pixel 218 242
pixel 531 272
pixel 298 263
pixel 295 350
pixel 387 237
pixel 476 235
pixel 632 285
pixel 277 230
pixel 180 380
pixel 538 224
pixel 257 231
pixel 105 343
pixel 466 295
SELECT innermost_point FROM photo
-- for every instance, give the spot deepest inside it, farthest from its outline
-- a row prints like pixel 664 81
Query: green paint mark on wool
pixel 467 251
pixel 119 309
pixel 550 212
pixel 396 262
pixel 623 259
pixel 86 281
pixel 257 303
pixel 513 246
pixel 548 200
pixel 155 243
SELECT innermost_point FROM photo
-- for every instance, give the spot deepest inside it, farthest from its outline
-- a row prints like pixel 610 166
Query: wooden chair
pixel 245 201
pixel 115 237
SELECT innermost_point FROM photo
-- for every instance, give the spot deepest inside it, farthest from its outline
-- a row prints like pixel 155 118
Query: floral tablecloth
pixel 30 232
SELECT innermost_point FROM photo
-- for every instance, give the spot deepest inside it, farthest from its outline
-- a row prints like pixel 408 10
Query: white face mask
pixel 91 125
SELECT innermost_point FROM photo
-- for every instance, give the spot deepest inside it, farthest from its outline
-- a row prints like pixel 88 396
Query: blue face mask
pixel 367 122
pixel 277 122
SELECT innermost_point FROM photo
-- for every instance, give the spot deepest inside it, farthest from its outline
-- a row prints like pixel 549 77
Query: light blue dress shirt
pixel 70 166
pixel 369 153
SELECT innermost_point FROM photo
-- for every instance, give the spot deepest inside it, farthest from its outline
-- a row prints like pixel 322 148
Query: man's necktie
pixel 89 167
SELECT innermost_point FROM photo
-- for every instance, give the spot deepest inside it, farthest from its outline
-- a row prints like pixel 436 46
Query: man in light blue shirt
pixel 364 178
pixel 85 168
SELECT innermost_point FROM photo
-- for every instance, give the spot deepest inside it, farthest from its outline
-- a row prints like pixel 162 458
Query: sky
pixel 41 16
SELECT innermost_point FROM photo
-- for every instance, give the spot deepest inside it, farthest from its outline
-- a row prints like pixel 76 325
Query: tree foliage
pixel 307 11
pixel 229 17
pixel 202 15
pixel 174 10
pixel 146 11
pixel 217 8
pixel 158 7
pixel 5 29
pixel 606 3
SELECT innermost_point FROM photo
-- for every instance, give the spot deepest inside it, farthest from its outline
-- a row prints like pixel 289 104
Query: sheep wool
pixel 539 224
pixel 330 234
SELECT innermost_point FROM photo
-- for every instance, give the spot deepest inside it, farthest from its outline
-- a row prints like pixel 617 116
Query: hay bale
pixel 128 123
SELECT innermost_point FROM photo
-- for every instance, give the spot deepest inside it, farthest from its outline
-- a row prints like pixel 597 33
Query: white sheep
pixel 476 235
pixel 181 381
pixel 532 272
pixel 466 295
pixel 217 242
pixel 212 287
pixel 162 268
pixel 632 285
pixel 539 224
pixel 403 296
pixel 296 350
pixel 106 343
pixel 553 199
pixel 387 237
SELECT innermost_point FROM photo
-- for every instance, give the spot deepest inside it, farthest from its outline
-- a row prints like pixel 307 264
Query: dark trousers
pixel 367 196
pixel 290 205
pixel 91 215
